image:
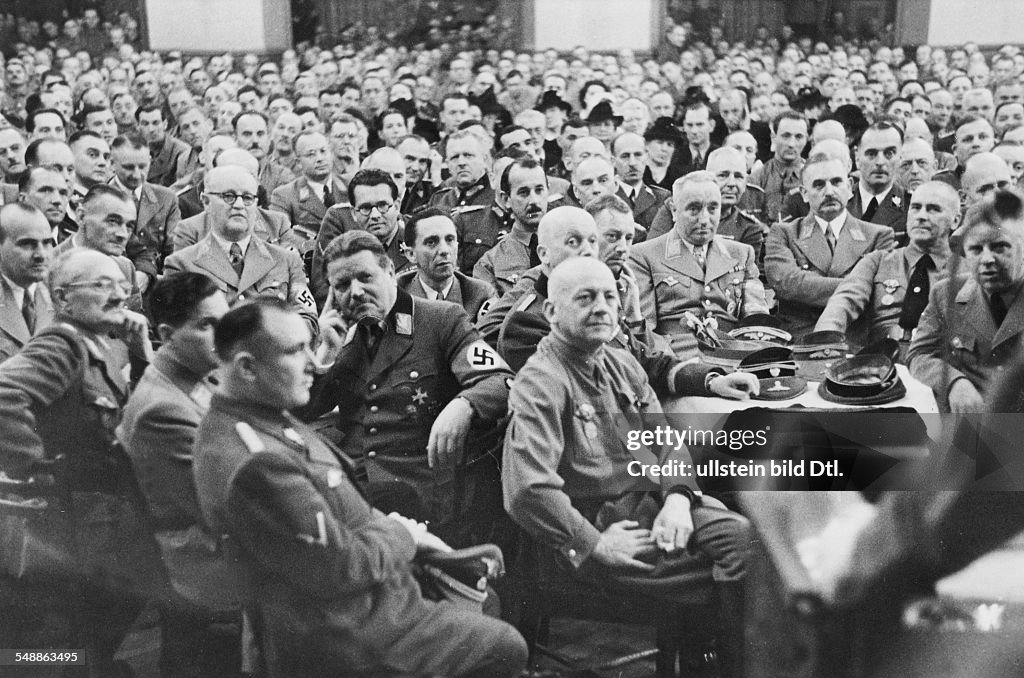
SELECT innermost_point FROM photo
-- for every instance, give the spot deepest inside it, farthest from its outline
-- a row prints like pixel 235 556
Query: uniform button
pixel 477 241
pixel 371 454
pixel 374 409
pixel 572 553
pixel 373 431
pixel 373 387
pixel 707 288
pixel 414 375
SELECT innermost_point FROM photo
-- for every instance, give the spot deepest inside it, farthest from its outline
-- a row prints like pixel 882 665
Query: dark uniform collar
pixel 400 317
pixel 471 190
pixel 541 286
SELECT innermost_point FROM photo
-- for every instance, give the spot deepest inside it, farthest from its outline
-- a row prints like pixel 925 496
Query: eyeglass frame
pixel 105 285
pixel 248 199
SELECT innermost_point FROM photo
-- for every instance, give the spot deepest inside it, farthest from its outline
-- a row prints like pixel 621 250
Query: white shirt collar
pixel 137 193
pixel 19 291
pixel 693 248
pixel 226 244
pixel 866 196
pixel 432 294
pixel 318 188
pixel 836 225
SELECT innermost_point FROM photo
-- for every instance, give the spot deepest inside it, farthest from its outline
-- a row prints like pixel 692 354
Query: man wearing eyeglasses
pixel 374 200
pixel 243 266
pixel 345 145
pixel 62 396
pixel 876 199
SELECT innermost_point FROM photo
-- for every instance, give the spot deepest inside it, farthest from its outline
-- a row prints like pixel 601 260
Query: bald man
pixel 983 174
pixel 828 129
pixel 693 270
pixel 565 475
pixel 592 177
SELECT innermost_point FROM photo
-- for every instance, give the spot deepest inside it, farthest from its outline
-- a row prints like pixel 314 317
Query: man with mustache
pixel 62 396
pixel 26 246
pixel 252 134
pixel 876 199
pixel 412 381
pixel 806 259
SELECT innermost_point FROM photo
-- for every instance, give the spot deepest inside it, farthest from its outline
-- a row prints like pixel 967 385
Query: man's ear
pixel 165 332
pixel 244 364
pixel 503 199
pixel 407 251
pixel 549 311
pixel 203 198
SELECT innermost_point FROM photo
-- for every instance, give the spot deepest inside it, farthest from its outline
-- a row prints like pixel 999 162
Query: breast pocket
pixel 417 393
pixel 103 409
pixel 964 350
pixel 270 288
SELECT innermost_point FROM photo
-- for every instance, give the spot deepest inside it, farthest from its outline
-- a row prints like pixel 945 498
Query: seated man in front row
pixel 691 269
pixel 565 473
pixel 330 576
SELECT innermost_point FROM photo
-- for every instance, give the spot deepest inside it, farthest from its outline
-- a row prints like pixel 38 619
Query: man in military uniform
pixel 434 247
pixel 62 396
pixel 410 378
pixel 243 265
pixel 781 173
pixel 373 200
pixel 565 472
pixel 251 134
pixel 806 259
pixel 629 153
pixel 47 190
pixel 330 577
pixel 306 199
pixel 523 190
pixel 876 199
pixel 563 232
pixel 418 190
pixel 887 290
pixel 973 135
pixel 692 270
pixel 961 346
pixel 26 246
pixel 158 430
pixel 166 151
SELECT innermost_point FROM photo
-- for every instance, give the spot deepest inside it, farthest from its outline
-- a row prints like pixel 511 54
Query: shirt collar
pixel 226 244
pixel 866 196
pixel 836 225
pixel 432 294
pixel 137 193
pixel 19 291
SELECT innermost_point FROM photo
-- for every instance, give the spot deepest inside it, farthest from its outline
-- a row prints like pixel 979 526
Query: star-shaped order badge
pixel 420 396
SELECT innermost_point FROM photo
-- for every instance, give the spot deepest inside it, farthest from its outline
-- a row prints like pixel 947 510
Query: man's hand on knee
pixel 622 542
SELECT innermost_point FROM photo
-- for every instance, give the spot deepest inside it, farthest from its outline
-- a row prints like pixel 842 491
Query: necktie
pixel 28 312
pixel 534 257
pixel 328 197
pixel 371 333
pixel 917 293
pixel 998 308
pixel 698 254
pixel 236 258
pixel 870 211
pixel 830 237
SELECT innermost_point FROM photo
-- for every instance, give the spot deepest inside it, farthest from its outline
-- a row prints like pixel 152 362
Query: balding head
pixel 593 177
pixel 828 129
pixel 391 162
pixel 583 148
pixel 566 232
pixel 835 149
pixel 984 173
pixel 917 128
pixel 583 303
pixel 238 157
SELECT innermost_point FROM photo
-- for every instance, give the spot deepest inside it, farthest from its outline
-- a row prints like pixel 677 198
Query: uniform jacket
pixel 648 202
pixel 503 265
pixel 525 285
pixel 269 270
pixel 329 575
pixel 188 164
pixel 891 212
pixel 671 282
pixel 874 290
pixel 272 175
pixel 14 332
pixel 164 167
pixel 158 431
pixel 429 354
pixel 189 201
pixel 736 225
pixel 303 206
pixel 479 229
pixel 469 293
pixel 158 217
pixel 961 340
pixel 450 197
pixel 776 181
pixel 270 226
pixel 804 273
pixel 416 196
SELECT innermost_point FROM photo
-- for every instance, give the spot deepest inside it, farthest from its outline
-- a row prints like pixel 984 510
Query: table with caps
pixel 715 413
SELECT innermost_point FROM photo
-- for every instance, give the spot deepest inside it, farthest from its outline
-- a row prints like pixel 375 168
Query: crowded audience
pixel 325 314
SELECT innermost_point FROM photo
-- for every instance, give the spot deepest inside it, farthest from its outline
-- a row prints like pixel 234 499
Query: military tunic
pixel 776 180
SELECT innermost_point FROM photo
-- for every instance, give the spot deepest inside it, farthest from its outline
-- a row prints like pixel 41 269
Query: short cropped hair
pixel 353 242
pixel 370 177
pixel 412 223
pixel 174 298
pixel 242 323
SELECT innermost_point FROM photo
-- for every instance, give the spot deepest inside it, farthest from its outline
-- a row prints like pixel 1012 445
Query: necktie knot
pixel 830 237
pixel 28 312
pixel 872 207
pixel 916 298
pixel 236 258
pixel 698 254
pixel 534 256
pixel 371 332
pixel 327 197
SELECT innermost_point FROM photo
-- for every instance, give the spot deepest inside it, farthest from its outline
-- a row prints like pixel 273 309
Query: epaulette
pixel 462 209
pixel 525 302
pixel 250 438
pixel 555 196
pixel 750 216
pixel 794 190
pixel 755 187
pixel 183 191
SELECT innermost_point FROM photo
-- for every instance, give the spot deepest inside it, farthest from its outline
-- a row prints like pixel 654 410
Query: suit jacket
pixel 804 273
pixel 961 340
pixel 272 227
pixel 330 576
pixel 158 216
pixel 272 175
pixel 645 207
pixel 158 430
pixel 671 283
pixel 269 270
pixel 8 193
pixel 164 167
pixel 429 354
pixel 469 293
pixel 892 212
pixel 303 206
pixel 14 332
